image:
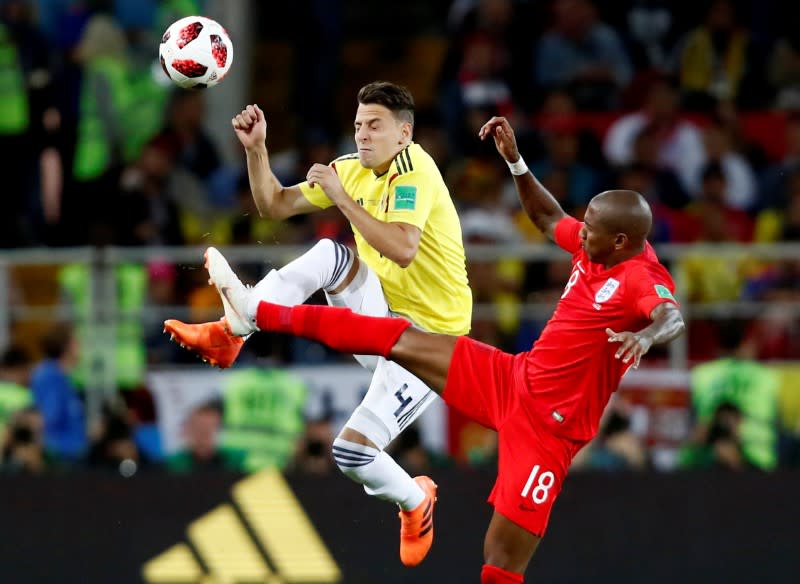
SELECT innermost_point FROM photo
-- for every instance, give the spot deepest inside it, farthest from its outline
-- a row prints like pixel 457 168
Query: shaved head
pixel 622 211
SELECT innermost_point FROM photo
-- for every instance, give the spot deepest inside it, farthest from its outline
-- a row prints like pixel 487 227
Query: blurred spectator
pixel 740 180
pixel 718 60
pixel 478 186
pixel 711 277
pixel 480 72
pixel 202 450
pixel 582 54
pixel 782 223
pixel 24 95
pixel 563 149
pixel 727 116
pixel 715 219
pixel 649 34
pixel 783 71
pixel 749 389
pixel 617 447
pixel 558 107
pixel 678 143
pixel 314 455
pixel 57 398
pixel 719 445
pixel 196 151
pixel 101 147
pixel 667 186
pixel 775 179
pixel 147 212
pixel 263 415
pixel 21 448
pixel 114 446
pixel 15 394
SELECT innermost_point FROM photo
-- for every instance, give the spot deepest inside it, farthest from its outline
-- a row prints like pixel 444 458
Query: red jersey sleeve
pixel 567 234
pixel 649 286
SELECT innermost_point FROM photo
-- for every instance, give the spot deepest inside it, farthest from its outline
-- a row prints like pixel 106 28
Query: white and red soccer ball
pixel 196 52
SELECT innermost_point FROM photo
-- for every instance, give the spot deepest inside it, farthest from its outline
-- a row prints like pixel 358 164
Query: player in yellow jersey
pixel 410 263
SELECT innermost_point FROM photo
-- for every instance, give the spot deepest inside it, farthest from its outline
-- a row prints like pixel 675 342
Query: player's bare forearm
pixel 263 183
pixel 396 241
pixel 539 204
pixel 667 324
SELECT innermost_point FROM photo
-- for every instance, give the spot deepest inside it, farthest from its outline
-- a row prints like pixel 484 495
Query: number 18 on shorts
pixel 531 468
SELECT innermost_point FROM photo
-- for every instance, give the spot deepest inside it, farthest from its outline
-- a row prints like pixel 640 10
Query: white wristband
pixel 517 168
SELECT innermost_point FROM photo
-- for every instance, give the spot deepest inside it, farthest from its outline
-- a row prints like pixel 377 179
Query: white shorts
pixel 396 397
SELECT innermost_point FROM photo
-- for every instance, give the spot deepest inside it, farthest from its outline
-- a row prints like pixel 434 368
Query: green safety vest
pixel 144 116
pixel 751 387
pixel 13 398
pixel 94 153
pixel 130 353
pixel 14 113
pixel 263 416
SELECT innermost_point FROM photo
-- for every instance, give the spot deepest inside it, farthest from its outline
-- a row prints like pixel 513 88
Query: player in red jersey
pixel 545 403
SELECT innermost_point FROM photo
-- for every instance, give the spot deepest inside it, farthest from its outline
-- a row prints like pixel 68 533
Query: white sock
pixel 381 476
pixel 324 267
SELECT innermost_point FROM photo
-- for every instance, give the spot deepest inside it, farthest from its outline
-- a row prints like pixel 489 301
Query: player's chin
pixel 366 160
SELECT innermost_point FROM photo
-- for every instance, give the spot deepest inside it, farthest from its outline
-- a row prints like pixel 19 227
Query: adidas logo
pixel 263 535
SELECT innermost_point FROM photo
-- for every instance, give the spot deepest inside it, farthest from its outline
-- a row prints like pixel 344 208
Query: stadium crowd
pixel 698 110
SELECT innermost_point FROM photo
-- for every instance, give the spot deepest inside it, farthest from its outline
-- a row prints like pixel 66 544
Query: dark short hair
pixel 57 339
pixel 396 98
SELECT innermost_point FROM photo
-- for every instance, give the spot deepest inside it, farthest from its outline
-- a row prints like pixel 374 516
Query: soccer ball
pixel 196 52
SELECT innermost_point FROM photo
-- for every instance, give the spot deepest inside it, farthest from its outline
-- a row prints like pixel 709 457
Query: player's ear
pixel 405 132
pixel 620 241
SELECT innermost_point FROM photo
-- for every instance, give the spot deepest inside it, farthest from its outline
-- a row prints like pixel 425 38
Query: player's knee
pixel 353 458
pixel 331 248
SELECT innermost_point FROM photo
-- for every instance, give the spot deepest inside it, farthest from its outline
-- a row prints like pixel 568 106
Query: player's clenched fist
pixel 326 177
pixel 250 126
pixel 503 134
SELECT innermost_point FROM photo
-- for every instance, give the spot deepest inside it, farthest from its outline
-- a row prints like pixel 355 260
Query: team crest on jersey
pixel 607 291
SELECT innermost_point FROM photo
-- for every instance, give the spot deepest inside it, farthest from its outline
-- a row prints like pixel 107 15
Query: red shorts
pixel 489 386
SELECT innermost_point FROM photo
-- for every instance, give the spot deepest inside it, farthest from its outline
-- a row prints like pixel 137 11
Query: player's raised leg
pixel 328 265
pixel 426 355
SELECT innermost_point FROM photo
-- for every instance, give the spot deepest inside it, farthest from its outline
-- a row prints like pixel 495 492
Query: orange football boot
pixel 211 340
pixel 416 526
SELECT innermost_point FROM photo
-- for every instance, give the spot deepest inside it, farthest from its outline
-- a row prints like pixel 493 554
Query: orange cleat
pixel 211 340
pixel 416 526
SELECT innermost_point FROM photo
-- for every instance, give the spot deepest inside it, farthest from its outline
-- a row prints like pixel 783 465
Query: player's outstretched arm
pixel 271 197
pixel 539 204
pixel 667 324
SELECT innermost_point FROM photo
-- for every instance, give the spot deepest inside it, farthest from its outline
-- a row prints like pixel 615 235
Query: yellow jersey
pixel 432 291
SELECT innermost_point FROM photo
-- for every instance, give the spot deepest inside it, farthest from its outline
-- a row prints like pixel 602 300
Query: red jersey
pixel 571 368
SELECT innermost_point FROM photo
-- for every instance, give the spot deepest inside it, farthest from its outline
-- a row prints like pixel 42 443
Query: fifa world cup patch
pixel 663 292
pixel 405 198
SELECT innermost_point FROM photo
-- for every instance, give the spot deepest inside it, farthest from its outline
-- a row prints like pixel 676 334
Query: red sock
pixel 339 328
pixel 495 575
